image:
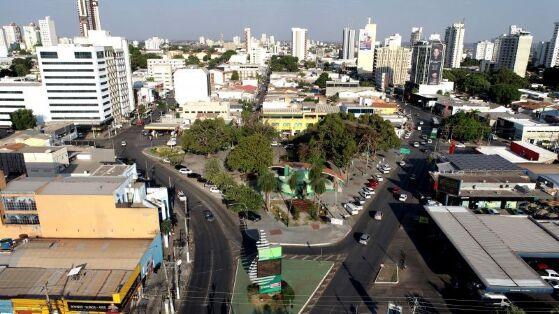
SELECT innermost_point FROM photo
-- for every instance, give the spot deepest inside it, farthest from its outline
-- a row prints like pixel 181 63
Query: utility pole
pixel 176 268
pixel 187 239
pixel 168 289
pixel 47 297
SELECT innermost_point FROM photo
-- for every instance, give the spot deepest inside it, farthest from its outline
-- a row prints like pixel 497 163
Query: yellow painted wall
pixel 13 231
pixel 93 216
pixel 294 124
pixel 385 111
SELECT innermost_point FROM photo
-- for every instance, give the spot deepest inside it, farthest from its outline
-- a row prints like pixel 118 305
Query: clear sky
pixel 189 19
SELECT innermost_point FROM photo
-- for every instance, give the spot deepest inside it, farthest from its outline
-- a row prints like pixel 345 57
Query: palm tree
pixel 319 186
pixel 267 183
pixel 293 181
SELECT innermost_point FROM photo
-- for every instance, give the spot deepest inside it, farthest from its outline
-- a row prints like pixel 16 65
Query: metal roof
pixel 468 162
pixel 492 259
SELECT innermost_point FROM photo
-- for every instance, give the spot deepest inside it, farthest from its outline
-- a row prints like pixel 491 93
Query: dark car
pixel 201 179
pixel 209 215
pixel 194 175
pixel 252 216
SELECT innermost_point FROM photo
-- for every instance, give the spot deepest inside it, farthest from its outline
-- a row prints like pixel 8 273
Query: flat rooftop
pixel 83 186
pixel 477 162
pixel 109 263
pixel 493 245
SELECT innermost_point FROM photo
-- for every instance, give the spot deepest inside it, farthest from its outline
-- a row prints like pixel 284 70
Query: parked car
pixel 403 197
pixel 185 170
pixel 495 299
pixel 421 122
pixel 181 196
pixel 378 177
pixel 365 194
pixel 394 189
pixel 549 274
pixel 415 144
pixel 357 205
pixel 214 189
pixel 364 239
pixel 209 215
pixel 123 143
pixel 249 215
pixel 460 145
pixel 166 160
pixel 372 184
pixel 372 190
pixel 430 141
pixel 359 200
pixel 351 208
pixel 422 142
pixel 378 215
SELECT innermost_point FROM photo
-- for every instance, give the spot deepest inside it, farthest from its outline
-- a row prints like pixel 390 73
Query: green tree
pixel 469 62
pixel 252 154
pixel 251 127
pixel 178 57
pixel 284 64
pixel 475 84
pixel 243 197
pixel 267 183
pixel 139 60
pixel 234 76
pixel 21 67
pixel 23 119
pixel 321 81
pixel 504 93
pixel 207 58
pixel 466 126
pixel 207 136
pixel 192 60
pixel 508 77
pixel 317 180
pixel 293 182
pixel 166 226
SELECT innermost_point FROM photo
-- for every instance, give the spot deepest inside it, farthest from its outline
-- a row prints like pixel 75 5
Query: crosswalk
pixel 325 257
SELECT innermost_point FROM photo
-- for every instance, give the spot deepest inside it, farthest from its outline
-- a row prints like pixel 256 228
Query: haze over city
pixel 186 20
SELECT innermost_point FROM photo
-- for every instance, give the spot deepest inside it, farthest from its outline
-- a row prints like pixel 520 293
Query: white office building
pixel 416 33
pixel 248 40
pixel 259 55
pixel 161 70
pixel 484 50
pixel 15 95
pixel 13 34
pixel 31 36
pixel 48 32
pixel 552 57
pixel 81 83
pixel 123 104
pixel 174 63
pixel 366 49
pixel 392 65
pixel 348 43
pixel 191 84
pixel 454 42
pixel 514 52
pixel 394 40
pixel 3 44
pixel 299 46
pixel 154 43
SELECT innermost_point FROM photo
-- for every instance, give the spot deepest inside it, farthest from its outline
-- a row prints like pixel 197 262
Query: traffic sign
pixel 405 151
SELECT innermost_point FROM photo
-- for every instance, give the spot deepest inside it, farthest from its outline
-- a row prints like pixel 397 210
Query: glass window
pixel 49 55
pixel 82 55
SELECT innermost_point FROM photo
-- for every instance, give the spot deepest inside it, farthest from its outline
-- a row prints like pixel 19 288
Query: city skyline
pixel 316 16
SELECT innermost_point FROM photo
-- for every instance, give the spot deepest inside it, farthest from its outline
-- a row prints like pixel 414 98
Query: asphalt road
pixel 214 262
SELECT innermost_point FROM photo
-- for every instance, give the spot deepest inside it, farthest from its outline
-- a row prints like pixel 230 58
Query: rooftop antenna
pixel 369 20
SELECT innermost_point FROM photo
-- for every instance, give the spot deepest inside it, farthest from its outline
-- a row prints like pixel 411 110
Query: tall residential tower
pixel 88 14
pixel 454 41
pixel 348 43
pixel 366 52
pixel 299 43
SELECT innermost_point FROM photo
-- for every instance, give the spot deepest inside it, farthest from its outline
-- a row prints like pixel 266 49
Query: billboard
pixel 435 63
pixel 269 253
pixel 365 40
pixel 270 286
pixel 449 185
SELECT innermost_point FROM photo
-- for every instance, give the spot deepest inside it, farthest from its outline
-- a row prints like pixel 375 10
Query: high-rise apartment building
pixel 12 33
pixel 552 57
pixel 514 52
pixel 299 43
pixel 484 50
pixel 162 70
pixel 154 43
pixel 454 42
pixel 31 36
pixel 88 14
pixel 123 99
pixel 394 40
pixel 427 62
pixel 392 64
pixel 248 39
pixel 348 43
pixel 3 44
pixel 48 32
pixel 366 49
pixel 415 36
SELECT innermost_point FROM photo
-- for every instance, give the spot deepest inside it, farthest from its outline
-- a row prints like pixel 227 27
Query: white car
pixel 365 194
pixel 357 205
pixel 172 142
pixel 403 197
pixel 181 195
pixel 123 143
pixel 370 190
pixel 214 189
pixel 421 122
pixel 185 170
pixel 378 215
pixel 364 239
pixel 554 283
pixel 351 208
pixel 166 160
pixel 415 144
pixel 460 145
pixel 402 163
pixel 549 274
pixel 383 170
pixel 430 141
pixel 378 177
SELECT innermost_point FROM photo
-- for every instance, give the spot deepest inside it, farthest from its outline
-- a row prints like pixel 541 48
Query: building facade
pixel 299 40
pixel 88 15
pixel 427 62
pixel 191 84
pixel 552 57
pixel 22 95
pixel 366 49
pixel 392 65
pixel 484 50
pixel 454 42
pixel 348 43
pixel 48 32
pixel 415 36
pixel 31 36
pixel 514 52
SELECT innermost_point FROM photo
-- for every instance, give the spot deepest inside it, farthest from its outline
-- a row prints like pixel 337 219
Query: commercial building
pixel 88 14
pixel 454 42
pixel 81 83
pixel 493 246
pixel 348 43
pixel 366 49
pixel 415 36
pixel 201 110
pixel 299 38
pixel 552 56
pixel 484 50
pixel 31 36
pixel 248 40
pixel 291 119
pixel 427 62
pixel 392 65
pixel 527 130
pixel 174 63
pixel 154 43
pixel 102 206
pixel 15 95
pixel 379 107
pixel 12 32
pixel 520 152
pixel 3 44
pixel 77 275
pixel 48 32
pixel 118 66
pixel 514 52
pixel 191 84
pixel 161 70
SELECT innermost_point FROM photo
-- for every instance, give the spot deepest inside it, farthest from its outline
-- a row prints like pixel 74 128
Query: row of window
pixel 69 77
pixel 74 111
pixel 67 70
pixel 76 118
pixel 72 97
pixel 82 55
pixel 11 92
pixel 105 89
pixel 71 91
pixel 70 84
pixel 74 105
pixel 12 106
pixel 11 99
pixel 19 203
pixel 21 219
pixel 68 63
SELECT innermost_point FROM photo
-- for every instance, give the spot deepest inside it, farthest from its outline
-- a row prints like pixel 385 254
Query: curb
pixel 316 289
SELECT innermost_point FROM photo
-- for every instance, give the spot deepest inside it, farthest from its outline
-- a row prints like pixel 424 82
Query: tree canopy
pixel 207 136
pixel 284 64
pixel 242 197
pixel 504 93
pixel 252 154
pixel 192 60
pixel 465 126
pixel 21 67
pixel 23 119
pixel 321 81
pixel 139 60
pixel 235 76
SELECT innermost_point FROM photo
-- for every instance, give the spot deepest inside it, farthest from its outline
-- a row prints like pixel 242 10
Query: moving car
pixel 209 215
pixel 181 196
pixel 415 144
pixel 214 189
pixel 554 283
pixel 123 143
pixel 402 163
pixel 378 215
pixel 185 170
pixel 364 239
pixel 394 189
pixel 430 141
pixel 460 145
pixel 403 197
pixel 422 142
